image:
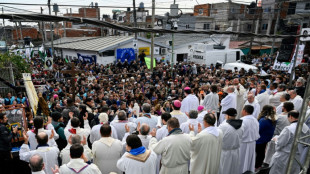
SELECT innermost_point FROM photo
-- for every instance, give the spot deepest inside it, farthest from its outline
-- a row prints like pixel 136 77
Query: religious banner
pixel 48 63
pixel 148 62
pixel 146 50
pixel 31 92
pixel 87 58
pixel 125 54
pixel 287 66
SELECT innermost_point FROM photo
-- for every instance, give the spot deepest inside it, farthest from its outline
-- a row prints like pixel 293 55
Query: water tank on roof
pixel 96 5
pixel 27 40
pixel 141 5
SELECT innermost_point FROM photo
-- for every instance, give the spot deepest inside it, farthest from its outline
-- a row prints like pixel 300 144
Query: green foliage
pixel 19 64
pixel 148 35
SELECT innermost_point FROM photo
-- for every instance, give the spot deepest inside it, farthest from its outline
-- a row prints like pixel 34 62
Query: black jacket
pixel 5 138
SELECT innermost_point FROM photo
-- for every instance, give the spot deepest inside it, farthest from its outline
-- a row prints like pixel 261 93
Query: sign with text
pixel 146 50
pixel 87 58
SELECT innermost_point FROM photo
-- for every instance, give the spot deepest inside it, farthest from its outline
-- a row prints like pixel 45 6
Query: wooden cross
pixel 72 72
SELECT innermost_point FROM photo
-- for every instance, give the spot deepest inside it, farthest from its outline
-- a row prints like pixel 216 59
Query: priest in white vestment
pixel 49 153
pixel 274 99
pixel 262 96
pixel 284 144
pixel 163 131
pixel 77 163
pixel 181 116
pixel 174 149
pixel 95 131
pixel 119 125
pixel 296 100
pixel 239 91
pixel 73 128
pixel 228 102
pixel 206 147
pixel 251 101
pixel 232 137
pixel 211 101
pixel 75 139
pixel 190 102
pixel 250 135
pixel 201 114
pixel 284 98
pixel 193 114
pixel 107 151
pixel 147 117
pixel 137 159
pixel 144 136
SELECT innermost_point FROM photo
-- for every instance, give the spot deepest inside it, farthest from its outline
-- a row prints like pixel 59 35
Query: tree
pixel 19 64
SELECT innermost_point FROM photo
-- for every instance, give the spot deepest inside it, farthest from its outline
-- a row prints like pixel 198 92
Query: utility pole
pixel 20 30
pixel 135 25
pixel 51 27
pixel 152 34
pixel 276 27
pixel 253 22
pixel 17 37
pixel 43 30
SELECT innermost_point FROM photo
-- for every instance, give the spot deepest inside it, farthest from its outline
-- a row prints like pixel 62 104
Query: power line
pixel 51 18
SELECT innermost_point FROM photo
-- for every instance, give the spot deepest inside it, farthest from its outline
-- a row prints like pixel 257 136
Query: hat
pixel 200 108
pixel 103 118
pixel 177 103
pixel 230 112
pixel 187 88
pixel 55 96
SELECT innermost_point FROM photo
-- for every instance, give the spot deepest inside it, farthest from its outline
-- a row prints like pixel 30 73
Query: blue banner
pixel 125 53
pixel 87 58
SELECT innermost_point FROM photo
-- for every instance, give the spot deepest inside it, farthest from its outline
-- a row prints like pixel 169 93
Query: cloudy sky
pixel 117 3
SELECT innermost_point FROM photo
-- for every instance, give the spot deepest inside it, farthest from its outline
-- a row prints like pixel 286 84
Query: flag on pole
pixel 42 53
pixel 148 62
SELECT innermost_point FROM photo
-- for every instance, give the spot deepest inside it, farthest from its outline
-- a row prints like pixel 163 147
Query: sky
pixel 122 3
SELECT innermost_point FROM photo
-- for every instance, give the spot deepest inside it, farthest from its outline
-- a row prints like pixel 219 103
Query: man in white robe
pixel 181 116
pixel 296 100
pixel 262 96
pixel 206 147
pixel 251 101
pixel 284 144
pixel 119 125
pixel 163 131
pixel 107 151
pixel 201 114
pixel 75 139
pixel 144 136
pixel 190 102
pixel 284 98
pixel 239 91
pixel 193 114
pixel 250 135
pixel 232 136
pixel 137 159
pixel 228 102
pixel 73 128
pixel 36 164
pixel 174 149
pixel 211 101
pixel 147 117
pixel 274 99
pixel 95 131
pixel 77 163
pixel 49 154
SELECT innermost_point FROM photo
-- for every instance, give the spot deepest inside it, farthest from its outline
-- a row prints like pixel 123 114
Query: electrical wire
pixel 52 18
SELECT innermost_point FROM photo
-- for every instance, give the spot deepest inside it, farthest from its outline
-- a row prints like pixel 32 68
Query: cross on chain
pixel 72 72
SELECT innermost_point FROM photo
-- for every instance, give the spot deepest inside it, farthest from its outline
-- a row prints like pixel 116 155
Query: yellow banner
pixel 148 62
pixel 31 92
pixel 145 49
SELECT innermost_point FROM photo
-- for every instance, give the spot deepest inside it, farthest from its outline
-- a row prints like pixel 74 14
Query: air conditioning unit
pixel 163 51
pixel 306 32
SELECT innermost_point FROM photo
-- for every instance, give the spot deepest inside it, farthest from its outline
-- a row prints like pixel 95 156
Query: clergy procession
pixel 199 120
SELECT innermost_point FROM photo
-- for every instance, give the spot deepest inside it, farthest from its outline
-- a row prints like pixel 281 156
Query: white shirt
pixel 33 140
pixel 185 126
pixel 78 165
pixel 297 101
pixel 211 102
pixel 95 133
pixel 82 132
pixel 256 106
pixel 65 154
pixel 119 125
pixel 162 132
pixel 182 117
pixel 190 102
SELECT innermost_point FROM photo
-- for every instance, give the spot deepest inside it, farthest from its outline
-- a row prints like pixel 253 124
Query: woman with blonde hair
pixel 267 124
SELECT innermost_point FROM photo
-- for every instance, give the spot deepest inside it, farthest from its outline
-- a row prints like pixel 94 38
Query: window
pixel 108 53
pixel 217 27
pixel 249 27
pixel 187 26
pixel 265 26
pixel 291 8
pixel 307 6
pixel 200 11
pixel 206 26
pixel 232 10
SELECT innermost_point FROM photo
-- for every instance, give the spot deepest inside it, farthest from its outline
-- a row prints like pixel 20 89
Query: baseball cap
pixel 230 112
pixel 177 103
pixel 200 108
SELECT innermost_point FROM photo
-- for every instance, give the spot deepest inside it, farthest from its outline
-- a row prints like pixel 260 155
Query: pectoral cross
pixel 72 72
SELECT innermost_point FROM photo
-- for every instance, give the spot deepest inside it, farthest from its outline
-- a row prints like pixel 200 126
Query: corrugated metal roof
pixel 97 44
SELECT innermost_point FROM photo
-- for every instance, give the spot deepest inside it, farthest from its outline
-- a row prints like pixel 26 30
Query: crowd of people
pixel 177 119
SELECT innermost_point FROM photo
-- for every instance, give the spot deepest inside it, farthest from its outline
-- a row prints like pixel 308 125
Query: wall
pixel 204 7
pixel 31 32
pixel 86 13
